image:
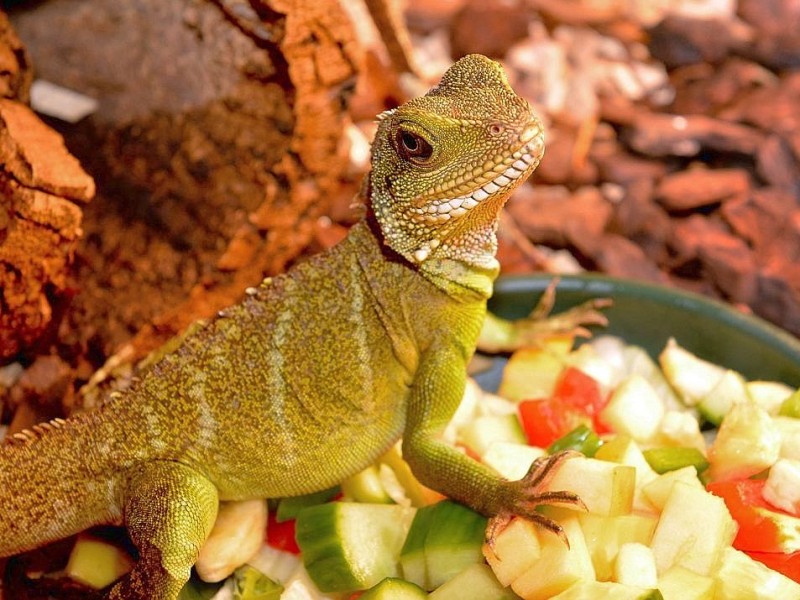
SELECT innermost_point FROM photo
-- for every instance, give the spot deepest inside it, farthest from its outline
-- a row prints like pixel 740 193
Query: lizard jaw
pixel 518 166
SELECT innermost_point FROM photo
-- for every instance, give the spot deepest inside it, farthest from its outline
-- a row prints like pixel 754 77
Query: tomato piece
pixel 579 390
pixel 762 527
pixel 788 564
pixel 546 420
pixel 280 535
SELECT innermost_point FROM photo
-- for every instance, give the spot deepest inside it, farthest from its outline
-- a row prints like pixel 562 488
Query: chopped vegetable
pixel 671 459
pixel 582 438
pixel 546 420
pixel 251 584
pixel 97 563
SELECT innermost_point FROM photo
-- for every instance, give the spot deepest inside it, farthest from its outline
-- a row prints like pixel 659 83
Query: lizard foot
pixel 532 495
pixel 541 322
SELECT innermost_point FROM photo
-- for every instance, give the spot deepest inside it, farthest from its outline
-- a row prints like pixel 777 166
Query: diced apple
pixel 693 528
pixel 97 563
pixel 587 359
pixel 476 582
pixel 747 443
pixel 607 590
pixel 679 583
pixel 636 566
pixel 558 566
pixel 657 491
pixel 634 409
pixel 516 549
pixel 789 431
pixel 730 389
pixel 623 450
pixel 637 361
pixel 605 535
pixel 606 488
pixel 691 376
pixel 530 373
pixel 680 428
pixel 783 486
pixel 511 460
pixel 769 395
pixel 481 432
pixel 743 578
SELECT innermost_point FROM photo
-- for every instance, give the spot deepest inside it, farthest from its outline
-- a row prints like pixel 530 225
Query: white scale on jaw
pixel 441 211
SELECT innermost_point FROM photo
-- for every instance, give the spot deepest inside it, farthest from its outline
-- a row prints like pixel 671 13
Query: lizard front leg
pixel 169 511
pixel 436 393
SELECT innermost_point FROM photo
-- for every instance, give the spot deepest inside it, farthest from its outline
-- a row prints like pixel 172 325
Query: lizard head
pixel 444 164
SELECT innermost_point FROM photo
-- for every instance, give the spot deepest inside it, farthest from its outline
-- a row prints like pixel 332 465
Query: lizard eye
pixel 412 147
pixel 496 129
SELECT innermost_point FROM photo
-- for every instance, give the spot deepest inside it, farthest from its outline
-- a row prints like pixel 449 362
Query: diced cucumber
pixel 288 508
pixel 783 485
pixel 530 373
pixel 608 590
pixel 634 408
pixel 511 460
pixel 679 583
pixel 516 549
pixel 769 395
pixel 691 376
pixel 483 431
pixel 251 584
pixel 366 486
pixel 96 562
pixel 444 538
pixel 638 362
pixel 393 588
pixel 587 359
pixel 743 578
pixel 624 450
pixel 278 565
pixel 747 443
pixel 791 406
pixel 582 438
pixel 606 488
pixel 663 460
pixel 604 537
pixel 730 389
pixel 559 566
pixel 693 529
pixel 350 546
pixel 657 491
pixel 476 582
pixel 635 566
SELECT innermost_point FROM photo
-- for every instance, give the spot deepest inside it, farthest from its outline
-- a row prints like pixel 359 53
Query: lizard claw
pixel 532 496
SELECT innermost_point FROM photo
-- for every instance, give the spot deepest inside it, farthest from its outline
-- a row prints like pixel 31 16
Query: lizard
pixel 317 371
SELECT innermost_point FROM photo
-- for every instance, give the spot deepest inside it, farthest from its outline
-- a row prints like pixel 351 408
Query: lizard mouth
pixel 517 167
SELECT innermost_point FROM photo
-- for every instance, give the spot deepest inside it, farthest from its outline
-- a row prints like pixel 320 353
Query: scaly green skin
pixel 318 371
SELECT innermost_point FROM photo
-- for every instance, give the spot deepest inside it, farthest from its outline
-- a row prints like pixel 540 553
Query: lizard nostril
pixel 531 131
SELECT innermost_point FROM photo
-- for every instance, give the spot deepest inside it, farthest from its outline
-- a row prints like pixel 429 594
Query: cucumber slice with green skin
pixel 288 508
pixel 366 486
pixel 349 546
pixel 730 389
pixel 476 582
pixel 582 438
pixel 663 460
pixel 791 406
pixel 393 588
pixel 251 584
pixel 444 539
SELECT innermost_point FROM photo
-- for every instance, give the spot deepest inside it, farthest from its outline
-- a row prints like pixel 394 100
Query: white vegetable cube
pixel 789 430
pixel 624 450
pixel 589 361
pixel 747 443
pixel 769 395
pixel 634 409
pixel 680 428
pixel 558 567
pixel 743 578
pixel 782 488
pixel 694 527
pixel 679 583
pixel 636 565
pixel 530 373
pixel 606 488
pixel 606 535
pixel 511 460
pixel 481 432
pixel 516 549
pixel 658 490
pixel 690 375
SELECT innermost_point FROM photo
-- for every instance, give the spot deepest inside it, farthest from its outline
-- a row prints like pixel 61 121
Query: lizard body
pixel 316 372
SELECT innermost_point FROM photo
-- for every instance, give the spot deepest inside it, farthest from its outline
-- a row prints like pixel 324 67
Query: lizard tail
pixel 53 484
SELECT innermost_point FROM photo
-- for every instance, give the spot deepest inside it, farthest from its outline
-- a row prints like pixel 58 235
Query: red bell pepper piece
pixel 280 535
pixel 762 527
pixel 547 419
pixel 580 391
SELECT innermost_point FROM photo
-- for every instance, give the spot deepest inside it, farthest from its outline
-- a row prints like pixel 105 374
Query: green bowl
pixel 648 315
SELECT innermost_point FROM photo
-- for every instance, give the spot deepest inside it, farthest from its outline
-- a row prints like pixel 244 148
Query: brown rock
pixel 778 165
pixel 661 135
pixel 764 220
pixel 620 257
pixel 36 157
pixel 16 74
pixel 688 236
pixel 554 216
pixel 729 263
pixel 695 188
pixel 779 294
pixel 46 382
pixel 489 28
pixel 680 40
pixel 641 220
